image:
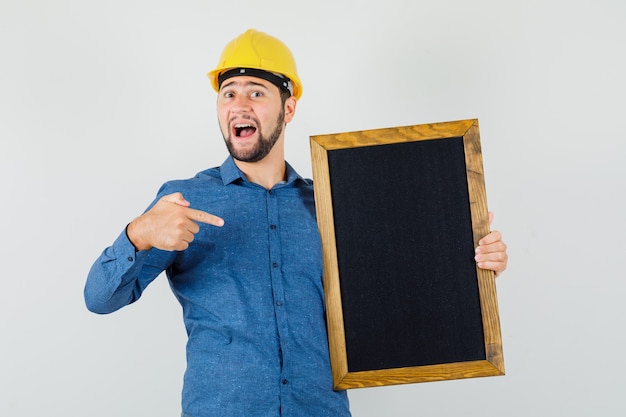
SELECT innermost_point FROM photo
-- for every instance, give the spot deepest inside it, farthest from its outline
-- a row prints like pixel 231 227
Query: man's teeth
pixel 244 129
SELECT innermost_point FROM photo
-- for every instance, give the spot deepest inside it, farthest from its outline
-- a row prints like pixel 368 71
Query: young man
pixel 241 248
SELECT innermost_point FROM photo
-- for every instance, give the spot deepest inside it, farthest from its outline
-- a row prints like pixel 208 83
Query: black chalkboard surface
pixel 400 211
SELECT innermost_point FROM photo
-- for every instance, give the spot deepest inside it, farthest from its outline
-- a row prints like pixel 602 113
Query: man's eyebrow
pixel 246 84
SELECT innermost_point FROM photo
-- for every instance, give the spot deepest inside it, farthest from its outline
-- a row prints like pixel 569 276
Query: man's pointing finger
pixel 204 217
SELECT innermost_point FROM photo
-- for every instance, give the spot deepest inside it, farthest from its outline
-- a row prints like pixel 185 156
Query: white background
pixel 102 101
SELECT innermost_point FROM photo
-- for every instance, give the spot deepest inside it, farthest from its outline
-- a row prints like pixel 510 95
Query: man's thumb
pixel 176 198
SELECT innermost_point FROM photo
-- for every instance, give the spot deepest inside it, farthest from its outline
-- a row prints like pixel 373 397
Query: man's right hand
pixel 169 225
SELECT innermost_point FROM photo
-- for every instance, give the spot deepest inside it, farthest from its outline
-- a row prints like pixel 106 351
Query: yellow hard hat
pixel 254 50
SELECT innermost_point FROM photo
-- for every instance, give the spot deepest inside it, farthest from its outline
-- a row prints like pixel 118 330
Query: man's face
pixel 251 117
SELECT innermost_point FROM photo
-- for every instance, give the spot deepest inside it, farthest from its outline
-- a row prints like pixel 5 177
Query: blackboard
pixel 400 211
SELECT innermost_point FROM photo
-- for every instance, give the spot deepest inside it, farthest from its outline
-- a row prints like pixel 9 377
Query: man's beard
pixel 263 146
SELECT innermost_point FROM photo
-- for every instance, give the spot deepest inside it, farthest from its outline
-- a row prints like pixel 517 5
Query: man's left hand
pixel 491 251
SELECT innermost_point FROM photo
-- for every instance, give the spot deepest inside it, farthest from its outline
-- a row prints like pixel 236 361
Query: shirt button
pixel 273 226
pixel 279 303
pixel 275 264
pixel 285 382
pixel 130 259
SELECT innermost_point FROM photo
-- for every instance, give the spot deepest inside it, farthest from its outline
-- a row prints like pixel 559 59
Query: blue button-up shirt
pixel 251 293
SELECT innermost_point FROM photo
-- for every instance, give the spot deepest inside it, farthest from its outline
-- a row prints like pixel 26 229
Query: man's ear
pixel 290 108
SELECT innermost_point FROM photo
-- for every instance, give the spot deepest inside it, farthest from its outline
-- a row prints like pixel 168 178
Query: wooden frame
pixel 327 170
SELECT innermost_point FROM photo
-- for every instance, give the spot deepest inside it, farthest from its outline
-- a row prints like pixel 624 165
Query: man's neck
pixel 267 172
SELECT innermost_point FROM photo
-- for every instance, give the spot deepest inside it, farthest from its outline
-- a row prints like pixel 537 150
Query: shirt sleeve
pixel 120 274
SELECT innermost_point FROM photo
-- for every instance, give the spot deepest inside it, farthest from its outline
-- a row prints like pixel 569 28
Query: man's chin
pixel 245 156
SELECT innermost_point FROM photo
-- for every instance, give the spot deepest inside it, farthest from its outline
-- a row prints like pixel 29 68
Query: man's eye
pixel 256 94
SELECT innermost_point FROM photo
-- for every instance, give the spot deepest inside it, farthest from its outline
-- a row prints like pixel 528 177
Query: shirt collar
pixel 231 173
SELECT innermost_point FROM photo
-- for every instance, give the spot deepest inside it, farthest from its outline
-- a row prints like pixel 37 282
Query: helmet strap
pixel 278 80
